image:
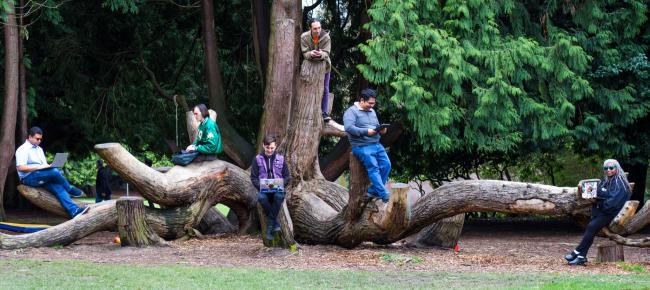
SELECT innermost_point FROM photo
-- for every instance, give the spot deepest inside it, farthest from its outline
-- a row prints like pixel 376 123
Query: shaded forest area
pixel 517 90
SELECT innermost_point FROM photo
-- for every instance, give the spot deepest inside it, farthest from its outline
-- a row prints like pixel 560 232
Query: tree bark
pixel 132 224
pixel 610 252
pixel 22 88
pixel 444 233
pixel 261 33
pixel 284 50
pixel 10 104
pixel 236 147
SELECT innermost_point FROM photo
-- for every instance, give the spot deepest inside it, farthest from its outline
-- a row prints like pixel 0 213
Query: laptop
pixel 273 183
pixel 59 160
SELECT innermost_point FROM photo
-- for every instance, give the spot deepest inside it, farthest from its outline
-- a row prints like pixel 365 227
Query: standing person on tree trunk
pixel 34 171
pixel 270 165
pixel 208 139
pixel 360 121
pixel 315 45
pixel 613 192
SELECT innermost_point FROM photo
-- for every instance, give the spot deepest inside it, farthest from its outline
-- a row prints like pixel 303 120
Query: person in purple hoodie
pixel 269 165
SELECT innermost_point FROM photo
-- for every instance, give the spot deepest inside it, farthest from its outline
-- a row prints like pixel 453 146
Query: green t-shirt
pixel 208 140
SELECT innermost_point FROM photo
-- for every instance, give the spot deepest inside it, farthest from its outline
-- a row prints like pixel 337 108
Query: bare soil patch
pixel 485 246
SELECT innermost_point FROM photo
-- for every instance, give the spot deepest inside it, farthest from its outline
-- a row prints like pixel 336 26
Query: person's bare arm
pixel 30 168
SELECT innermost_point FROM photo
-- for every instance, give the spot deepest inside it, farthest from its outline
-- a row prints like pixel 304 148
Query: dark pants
pixel 271 201
pixel 326 93
pixel 597 222
pixel 102 195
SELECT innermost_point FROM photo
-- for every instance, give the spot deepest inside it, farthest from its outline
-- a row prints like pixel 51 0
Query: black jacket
pixel 612 195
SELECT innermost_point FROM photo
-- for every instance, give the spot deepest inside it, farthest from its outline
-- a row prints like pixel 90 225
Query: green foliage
pixel 464 80
pixel 82 172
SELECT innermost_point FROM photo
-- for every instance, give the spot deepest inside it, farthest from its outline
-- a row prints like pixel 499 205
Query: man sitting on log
pixel 270 165
pixel 208 139
pixel 34 171
pixel 360 121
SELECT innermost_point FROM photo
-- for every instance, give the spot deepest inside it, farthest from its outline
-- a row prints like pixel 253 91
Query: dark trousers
pixel 271 201
pixel 597 222
pixel 102 195
pixel 326 93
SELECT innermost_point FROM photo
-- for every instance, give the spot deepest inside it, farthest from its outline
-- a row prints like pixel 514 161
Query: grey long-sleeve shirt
pixel 357 122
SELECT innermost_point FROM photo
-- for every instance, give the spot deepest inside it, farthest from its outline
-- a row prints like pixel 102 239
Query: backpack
pixel 184 158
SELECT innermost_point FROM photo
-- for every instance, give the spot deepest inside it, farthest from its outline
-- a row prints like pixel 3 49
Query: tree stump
pixel 132 225
pixel 443 233
pixel 610 252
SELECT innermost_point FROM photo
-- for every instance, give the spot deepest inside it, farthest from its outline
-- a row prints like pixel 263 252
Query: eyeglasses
pixel 609 167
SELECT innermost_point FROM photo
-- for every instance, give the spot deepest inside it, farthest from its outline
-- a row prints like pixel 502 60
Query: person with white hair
pixel 613 191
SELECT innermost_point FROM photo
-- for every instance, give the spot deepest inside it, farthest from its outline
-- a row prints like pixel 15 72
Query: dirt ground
pixel 517 245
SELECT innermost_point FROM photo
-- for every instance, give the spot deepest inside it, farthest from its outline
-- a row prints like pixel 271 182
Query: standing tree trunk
pixel 7 141
pixel 261 33
pixel 237 148
pixel 284 51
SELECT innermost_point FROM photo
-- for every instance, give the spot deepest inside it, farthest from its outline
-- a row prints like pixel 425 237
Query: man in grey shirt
pixel 360 121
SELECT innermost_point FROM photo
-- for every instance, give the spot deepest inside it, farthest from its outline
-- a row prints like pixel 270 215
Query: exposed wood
pixel 624 216
pixel 10 103
pixel 132 225
pixel 214 222
pixel 444 233
pixel 261 31
pixel 639 220
pixel 610 252
pixel 303 135
pixel 284 238
pixel 284 52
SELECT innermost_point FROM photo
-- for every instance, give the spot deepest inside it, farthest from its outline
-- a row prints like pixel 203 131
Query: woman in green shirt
pixel 208 139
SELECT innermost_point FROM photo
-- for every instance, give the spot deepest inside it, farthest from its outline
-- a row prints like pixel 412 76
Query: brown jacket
pixel 324 44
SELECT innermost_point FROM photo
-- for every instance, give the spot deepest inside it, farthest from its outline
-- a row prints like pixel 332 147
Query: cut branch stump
pixel 132 224
pixel 624 216
pixel 610 252
pixel 284 238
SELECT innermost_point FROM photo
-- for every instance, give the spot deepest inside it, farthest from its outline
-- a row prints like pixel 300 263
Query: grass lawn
pixel 30 274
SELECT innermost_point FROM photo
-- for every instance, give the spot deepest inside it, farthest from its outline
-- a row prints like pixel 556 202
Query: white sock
pixel 576 252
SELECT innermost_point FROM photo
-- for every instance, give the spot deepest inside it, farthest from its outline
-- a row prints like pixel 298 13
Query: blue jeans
pixel 271 201
pixel 52 180
pixel 376 161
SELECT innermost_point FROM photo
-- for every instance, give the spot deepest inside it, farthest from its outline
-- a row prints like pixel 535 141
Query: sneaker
pixel 269 232
pixel 75 192
pixel 81 211
pixel 326 117
pixel 579 260
pixel 372 195
pixel 571 256
pixel 276 226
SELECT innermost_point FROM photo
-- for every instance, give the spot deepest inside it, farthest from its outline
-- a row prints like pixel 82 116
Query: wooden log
pixel 610 252
pixel 444 233
pixel 624 216
pixel 398 213
pixel 132 225
pixel 284 238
